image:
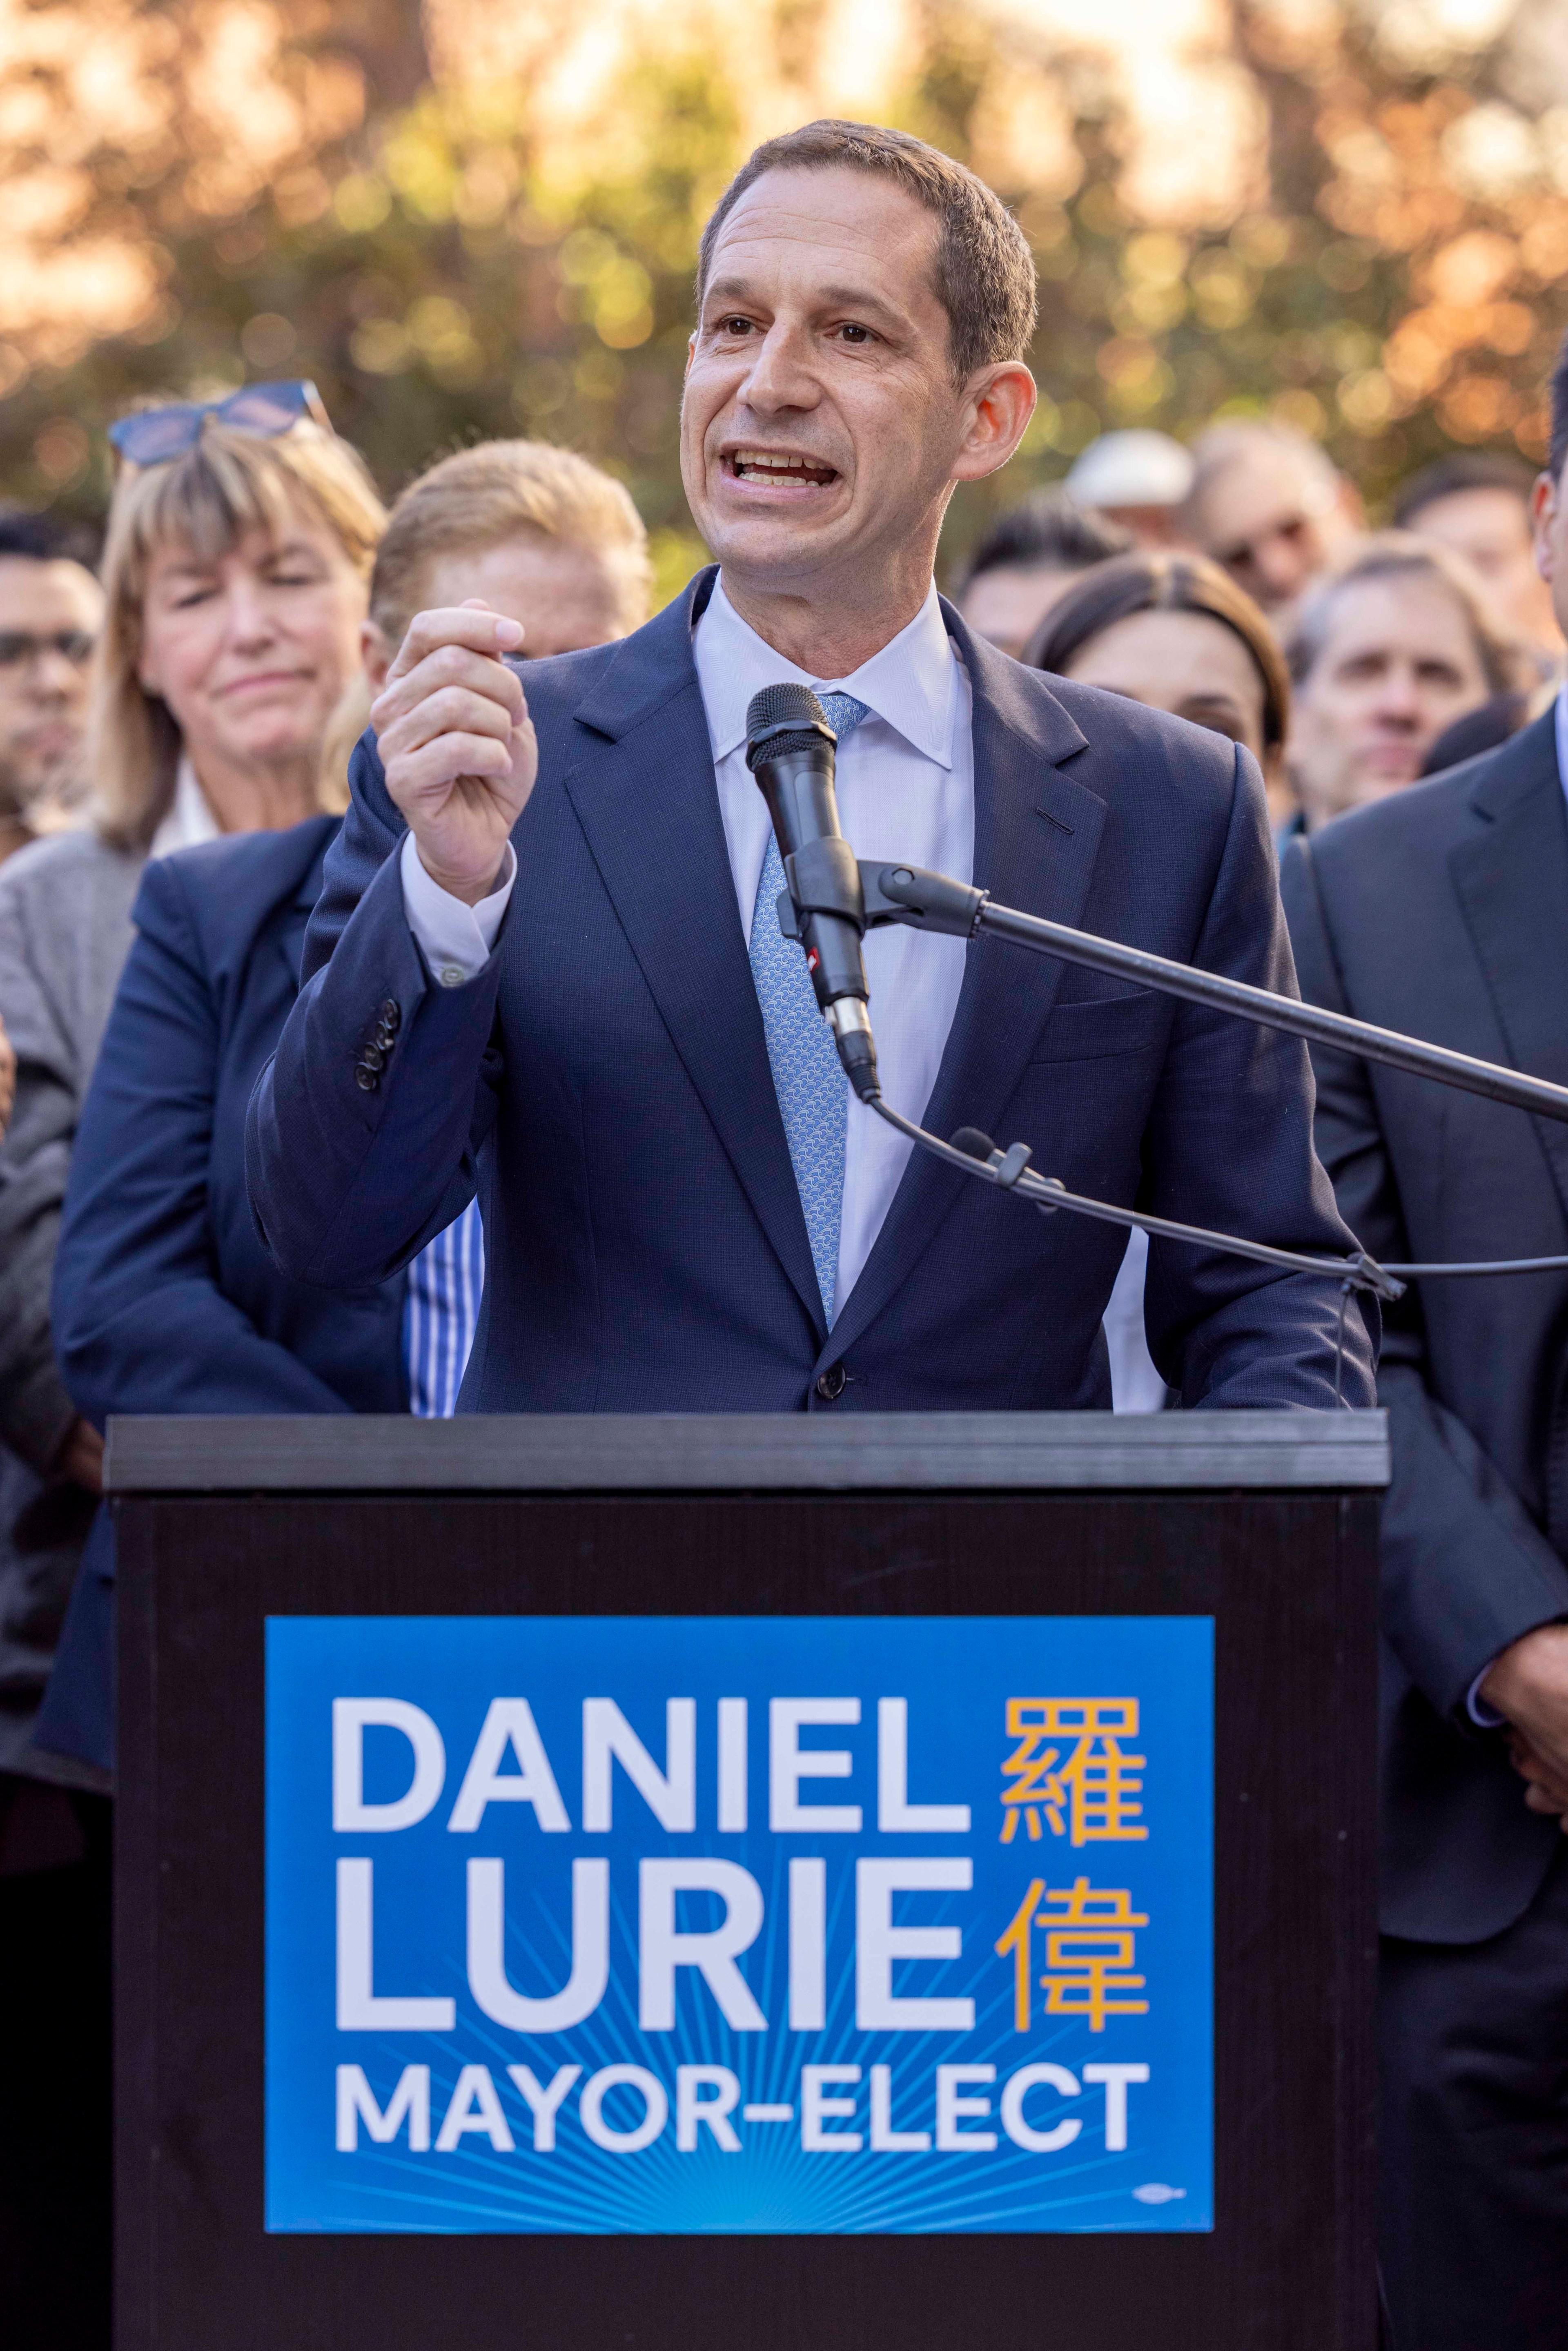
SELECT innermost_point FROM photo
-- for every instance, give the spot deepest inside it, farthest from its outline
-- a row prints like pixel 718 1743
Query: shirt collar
pixel 189 819
pixel 911 684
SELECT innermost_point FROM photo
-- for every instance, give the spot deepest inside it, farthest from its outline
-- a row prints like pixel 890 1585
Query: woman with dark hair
pixel 1175 633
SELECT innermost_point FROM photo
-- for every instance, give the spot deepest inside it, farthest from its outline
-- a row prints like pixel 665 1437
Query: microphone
pixel 789 750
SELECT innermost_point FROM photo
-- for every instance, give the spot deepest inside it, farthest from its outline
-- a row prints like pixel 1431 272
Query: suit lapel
pixel 643 788
pixel 1036 834
pixel 1511 882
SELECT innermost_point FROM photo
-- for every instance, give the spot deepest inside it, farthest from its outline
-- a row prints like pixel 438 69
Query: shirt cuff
pixel 1477 1707
pixel 457 939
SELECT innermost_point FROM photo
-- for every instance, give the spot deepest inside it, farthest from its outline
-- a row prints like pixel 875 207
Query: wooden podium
pixel 1264 1522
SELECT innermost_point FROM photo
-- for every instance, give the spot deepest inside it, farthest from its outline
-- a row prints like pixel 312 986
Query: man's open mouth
pixel 776 469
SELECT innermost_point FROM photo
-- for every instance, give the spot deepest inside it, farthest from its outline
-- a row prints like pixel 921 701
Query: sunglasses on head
pixel 153 435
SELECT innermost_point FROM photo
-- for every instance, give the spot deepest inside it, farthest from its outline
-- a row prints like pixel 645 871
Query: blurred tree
pixel 1363 233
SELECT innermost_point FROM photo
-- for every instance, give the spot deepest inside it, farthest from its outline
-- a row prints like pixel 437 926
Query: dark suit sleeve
pixel 348 1182
pixel 1465 1570
pixel 1228 1145
pixel 139 1320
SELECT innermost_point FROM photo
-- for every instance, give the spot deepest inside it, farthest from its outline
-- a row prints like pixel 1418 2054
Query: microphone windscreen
pixel 783 706
pixel 972 1144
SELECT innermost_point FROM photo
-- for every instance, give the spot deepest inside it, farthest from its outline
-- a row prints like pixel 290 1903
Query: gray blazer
pixel 64 933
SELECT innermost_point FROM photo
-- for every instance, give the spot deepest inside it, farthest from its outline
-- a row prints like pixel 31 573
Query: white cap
pixel 1132 469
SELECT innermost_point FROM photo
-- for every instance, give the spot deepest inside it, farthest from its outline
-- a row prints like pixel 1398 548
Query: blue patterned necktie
pixel 812 1091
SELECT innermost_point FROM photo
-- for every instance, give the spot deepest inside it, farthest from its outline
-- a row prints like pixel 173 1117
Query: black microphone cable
pixel 1009 1170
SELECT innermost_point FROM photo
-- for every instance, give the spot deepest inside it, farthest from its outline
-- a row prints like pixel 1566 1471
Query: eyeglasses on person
pixel 21 645
pixel 151 436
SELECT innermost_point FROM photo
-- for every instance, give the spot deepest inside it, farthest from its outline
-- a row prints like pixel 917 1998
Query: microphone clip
pixel 823 879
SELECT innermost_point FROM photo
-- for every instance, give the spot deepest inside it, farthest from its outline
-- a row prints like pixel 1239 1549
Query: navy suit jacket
pixel 164 1300
pixel 1443 911
pixel 604 1082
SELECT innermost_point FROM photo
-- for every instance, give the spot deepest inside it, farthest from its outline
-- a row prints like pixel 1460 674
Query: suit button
pixel 372 1058
pixel 389 1014
pixel 365 1078
pixel 830 1382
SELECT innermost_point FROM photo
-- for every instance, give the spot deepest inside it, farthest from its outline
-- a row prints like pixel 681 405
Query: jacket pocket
pixel 1114 1024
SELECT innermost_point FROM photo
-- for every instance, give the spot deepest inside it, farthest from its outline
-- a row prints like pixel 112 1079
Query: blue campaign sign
pixel 695 1925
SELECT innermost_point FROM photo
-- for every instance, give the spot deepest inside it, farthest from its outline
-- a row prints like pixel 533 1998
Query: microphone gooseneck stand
pixel 831 901
pixel 933 902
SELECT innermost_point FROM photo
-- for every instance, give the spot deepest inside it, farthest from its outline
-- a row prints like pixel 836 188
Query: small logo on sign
pixel 1156 2192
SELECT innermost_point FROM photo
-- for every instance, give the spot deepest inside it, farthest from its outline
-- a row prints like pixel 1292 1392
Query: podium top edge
pixel 756 1452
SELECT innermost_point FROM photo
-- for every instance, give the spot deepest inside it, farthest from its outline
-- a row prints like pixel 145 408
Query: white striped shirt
pixel 445 1283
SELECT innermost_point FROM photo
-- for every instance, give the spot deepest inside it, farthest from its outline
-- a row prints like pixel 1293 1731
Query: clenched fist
pixel 456 743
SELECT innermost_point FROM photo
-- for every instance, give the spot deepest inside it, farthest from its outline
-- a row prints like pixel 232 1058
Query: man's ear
pixel 1002 400
pixel 1543 515
pixel 375 654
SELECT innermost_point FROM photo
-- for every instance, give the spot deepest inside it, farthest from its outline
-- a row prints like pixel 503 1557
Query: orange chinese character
pixel 1089 1950
pixel 1091 1798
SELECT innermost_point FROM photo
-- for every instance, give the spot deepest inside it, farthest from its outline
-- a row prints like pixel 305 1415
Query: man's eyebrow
pixel 831 298
pixel 862 298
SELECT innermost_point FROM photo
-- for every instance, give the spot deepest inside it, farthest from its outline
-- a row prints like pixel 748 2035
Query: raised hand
pixel 457 744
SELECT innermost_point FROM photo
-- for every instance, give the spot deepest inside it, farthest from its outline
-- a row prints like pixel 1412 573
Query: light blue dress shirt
pixel 445 1283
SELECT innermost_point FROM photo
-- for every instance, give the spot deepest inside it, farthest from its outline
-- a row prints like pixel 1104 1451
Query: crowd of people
pixel 179 717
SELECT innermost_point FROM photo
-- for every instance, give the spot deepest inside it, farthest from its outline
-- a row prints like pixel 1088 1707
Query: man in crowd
pixel 1022 563
pixel 51 608
pixel 684 1209
pixel 1477 503
pixel 1385 652
pixel 1444 912
pixel 1271 507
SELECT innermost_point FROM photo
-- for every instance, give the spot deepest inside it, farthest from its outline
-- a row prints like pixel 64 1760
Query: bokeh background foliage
pixel 480 216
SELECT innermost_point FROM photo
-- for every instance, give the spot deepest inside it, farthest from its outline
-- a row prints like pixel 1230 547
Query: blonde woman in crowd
pixel 237 570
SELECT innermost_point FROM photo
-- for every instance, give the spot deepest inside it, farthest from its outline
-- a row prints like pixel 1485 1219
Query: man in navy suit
pixel 546 963
pixel 1442 910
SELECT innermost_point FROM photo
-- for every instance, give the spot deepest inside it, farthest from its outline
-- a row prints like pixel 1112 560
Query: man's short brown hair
pixel 985 271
